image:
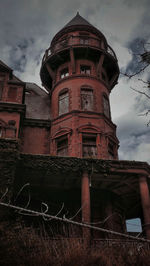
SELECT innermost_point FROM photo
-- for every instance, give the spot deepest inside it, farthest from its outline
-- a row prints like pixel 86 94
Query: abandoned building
pixel 62 140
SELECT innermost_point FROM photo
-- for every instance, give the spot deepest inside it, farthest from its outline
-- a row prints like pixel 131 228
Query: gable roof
pixel 4 67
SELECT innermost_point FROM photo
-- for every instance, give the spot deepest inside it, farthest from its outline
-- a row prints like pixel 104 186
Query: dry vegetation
pixel 22 246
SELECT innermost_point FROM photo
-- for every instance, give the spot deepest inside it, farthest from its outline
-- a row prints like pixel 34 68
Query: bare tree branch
pixel 141 92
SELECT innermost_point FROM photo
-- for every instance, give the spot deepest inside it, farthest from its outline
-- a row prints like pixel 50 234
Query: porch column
pixel 85 204
pixel 145 199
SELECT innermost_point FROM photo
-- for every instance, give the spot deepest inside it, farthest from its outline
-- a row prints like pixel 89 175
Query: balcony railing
pixel 84 41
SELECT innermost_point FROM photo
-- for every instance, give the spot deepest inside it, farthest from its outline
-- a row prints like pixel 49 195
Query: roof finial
pixel 78 13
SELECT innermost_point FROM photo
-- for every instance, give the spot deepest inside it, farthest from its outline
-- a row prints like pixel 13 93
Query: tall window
pixel 111 149
pixel 2 77
pixel 62 146
pixel 85 70
pixel 89 149
pixel 64 73
pixel 106 106
pixel 0 132
pixel 1 89
pixel 63 102
pixel 86 99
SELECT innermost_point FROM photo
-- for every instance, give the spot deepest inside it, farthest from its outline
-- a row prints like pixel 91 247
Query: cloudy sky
pixel 27 27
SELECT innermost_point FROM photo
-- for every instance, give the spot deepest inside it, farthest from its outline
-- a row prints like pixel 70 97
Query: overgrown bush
pixel 22 246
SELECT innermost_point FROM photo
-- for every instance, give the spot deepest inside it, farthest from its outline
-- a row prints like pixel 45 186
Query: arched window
pixel 63 100
pixel 106 107
pixel 87 99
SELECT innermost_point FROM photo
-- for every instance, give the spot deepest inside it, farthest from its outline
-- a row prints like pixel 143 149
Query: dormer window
pixel 64 73
pixel 85 70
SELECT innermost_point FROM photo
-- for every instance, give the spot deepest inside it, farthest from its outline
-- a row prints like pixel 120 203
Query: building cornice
pixel 12 107
pixel 37 123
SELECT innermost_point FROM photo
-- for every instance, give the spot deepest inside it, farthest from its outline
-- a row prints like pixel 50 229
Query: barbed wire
pixel 36 213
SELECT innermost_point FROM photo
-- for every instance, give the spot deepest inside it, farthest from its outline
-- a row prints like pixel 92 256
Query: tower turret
pixel 79 70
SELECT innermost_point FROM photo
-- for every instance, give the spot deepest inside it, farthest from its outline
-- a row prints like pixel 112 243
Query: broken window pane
pixel 62 146
pixel 89 149
pixel 86 99
pixel 63 103
pixel 64 73
pixel 85 70
pixel 106 106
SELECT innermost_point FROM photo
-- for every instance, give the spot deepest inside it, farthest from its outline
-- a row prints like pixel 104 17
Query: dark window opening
pixel 64 42
pixel 62 146
pixel 111 149
pixel 103 76
pixel 85 70
pixel 1 88
pixel 64 73
pixel 12 93
pixel 89 149
pixel 106 106
pixel 87 99
pixel 1 132
pixel 63 103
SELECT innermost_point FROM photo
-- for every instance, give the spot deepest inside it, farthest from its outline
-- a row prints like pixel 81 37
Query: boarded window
pixel 106 106
pixel 64 73
pixel 63 103
pixel 89 149
pixel 12 94
pixel 111 149
pixel 85 70
pixel 87 99
pixel 62 146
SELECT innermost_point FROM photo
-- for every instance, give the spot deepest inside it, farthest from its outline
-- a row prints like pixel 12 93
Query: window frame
pixel 106 112
pixel 111 148
pixel 87 144
pixel 63 147
pixel 82 93
pixel 87 68
pixel 64 73
pixel 63 92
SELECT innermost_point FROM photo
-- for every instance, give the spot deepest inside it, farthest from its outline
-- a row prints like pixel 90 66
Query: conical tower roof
pixel 78 22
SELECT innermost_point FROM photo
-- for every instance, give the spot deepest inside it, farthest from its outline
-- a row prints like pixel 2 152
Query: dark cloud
pixel 27 28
